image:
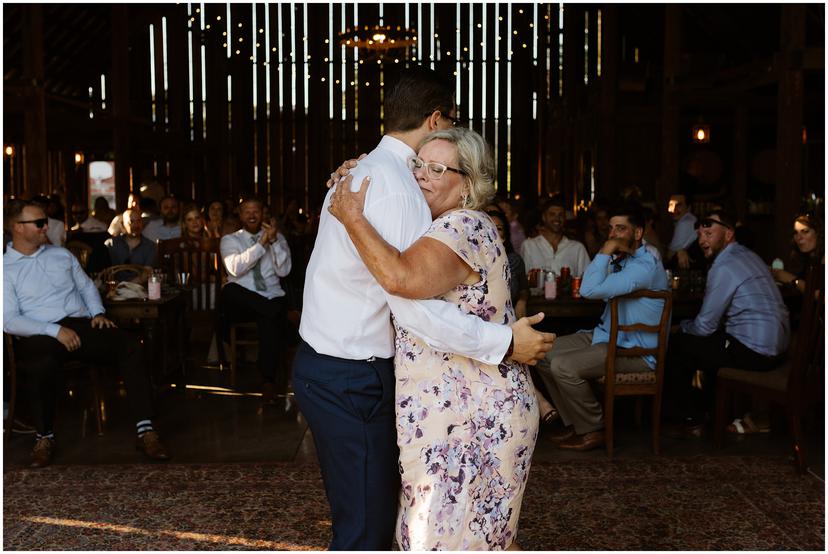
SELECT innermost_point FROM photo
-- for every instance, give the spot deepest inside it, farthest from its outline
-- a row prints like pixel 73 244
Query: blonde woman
pixel 466 430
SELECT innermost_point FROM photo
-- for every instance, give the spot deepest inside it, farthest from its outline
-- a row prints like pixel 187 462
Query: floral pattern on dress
pixel 466 430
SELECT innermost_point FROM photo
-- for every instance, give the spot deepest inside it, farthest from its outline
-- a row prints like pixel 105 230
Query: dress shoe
pixel 561 434
pixel 584 442
pixel 42 452
pixel 549 418
pixel 150 444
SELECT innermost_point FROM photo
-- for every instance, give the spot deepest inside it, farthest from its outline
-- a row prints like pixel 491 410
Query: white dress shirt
pixel 538 253
pixel 346 313
pixel 155 230
pixel 684 233
pixel 240 254
pixel 43 288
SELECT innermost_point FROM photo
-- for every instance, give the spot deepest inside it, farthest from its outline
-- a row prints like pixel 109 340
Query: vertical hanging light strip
pixel 330 60
pixel 203 78
pixel 419 31
pixel 254 60
pixel 470 64
pixel 293 56
pixel 560 48
pixel 497 19
pixel 535 59
pixel 509 101
pixel 307 63
pixel 267 72
pixel 229 31
pixel 91 96
pixel 166 73
pixel 152 70
pixel 598 39
pixel 280 59
pixel 381 77
pixel 457 64
pixel 356 78
pixel 548 19
pixel 433 35
pixel 342 78
pixel 190 67
pixel 483 69
pixel 103 91
pixel 586 46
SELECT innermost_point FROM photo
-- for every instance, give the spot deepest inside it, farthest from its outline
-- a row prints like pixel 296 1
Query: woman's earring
pixel 464 199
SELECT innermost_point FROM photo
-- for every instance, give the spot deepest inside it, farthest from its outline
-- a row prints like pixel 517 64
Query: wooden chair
pixel 796 384
pixel 81 250
pixel 142 272
pixel 98 407
pixel 644 383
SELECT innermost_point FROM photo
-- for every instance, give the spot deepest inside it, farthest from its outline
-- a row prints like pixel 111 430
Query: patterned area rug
pixel 696 503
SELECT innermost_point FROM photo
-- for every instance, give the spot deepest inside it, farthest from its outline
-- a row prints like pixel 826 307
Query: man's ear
pixel 433 119
pixel 730 235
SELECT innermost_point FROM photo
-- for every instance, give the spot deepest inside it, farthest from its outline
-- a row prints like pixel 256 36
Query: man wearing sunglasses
pixel 55 312
pixel 743 323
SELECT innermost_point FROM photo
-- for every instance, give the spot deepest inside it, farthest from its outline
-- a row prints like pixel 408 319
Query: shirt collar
pixel 396 147
pixel 14 255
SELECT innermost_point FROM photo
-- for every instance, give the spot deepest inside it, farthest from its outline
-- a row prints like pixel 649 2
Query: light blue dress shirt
pixel 43 288
pixel 740 290
pixel 684 233
pixel 639 271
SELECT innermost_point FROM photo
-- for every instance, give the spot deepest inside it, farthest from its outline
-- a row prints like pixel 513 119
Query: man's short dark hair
pixel 419 93
pixel 14 208
pixel 631 211
pixel 556 201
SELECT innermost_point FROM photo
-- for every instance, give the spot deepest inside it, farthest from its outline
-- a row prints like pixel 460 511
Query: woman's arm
pixel 426 269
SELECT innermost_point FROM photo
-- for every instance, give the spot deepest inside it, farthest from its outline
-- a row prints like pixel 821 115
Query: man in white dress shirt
pixel 551 249
pixel 343 371
pixel 256 257
pixel 168 227
pixel 55 312
pixel 684 233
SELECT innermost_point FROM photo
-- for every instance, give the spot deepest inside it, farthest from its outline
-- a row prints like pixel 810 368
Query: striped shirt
pixel 740 290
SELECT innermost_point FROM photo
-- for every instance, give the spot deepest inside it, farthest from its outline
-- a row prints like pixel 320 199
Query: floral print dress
pixel 466 430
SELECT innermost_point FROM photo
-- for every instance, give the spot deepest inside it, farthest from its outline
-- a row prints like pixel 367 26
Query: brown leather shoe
pixel 584 442
pixel 150 444
pixel 42 452
pixel 561 434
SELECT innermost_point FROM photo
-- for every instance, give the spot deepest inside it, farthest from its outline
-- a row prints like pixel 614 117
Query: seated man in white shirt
pixel 54 308
pixel 256 257
pixel 168 227
pixel 684 232
pixel 551 250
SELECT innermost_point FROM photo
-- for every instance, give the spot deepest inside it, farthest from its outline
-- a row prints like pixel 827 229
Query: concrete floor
pixel 214 420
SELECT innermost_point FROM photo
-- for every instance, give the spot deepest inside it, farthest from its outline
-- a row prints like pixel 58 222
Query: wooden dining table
pixel 160 323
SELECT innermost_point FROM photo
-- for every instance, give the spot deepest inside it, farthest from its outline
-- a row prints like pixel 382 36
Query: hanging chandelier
pixel 378 40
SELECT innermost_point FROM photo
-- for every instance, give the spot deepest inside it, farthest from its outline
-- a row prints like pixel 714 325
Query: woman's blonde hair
pixel 474 158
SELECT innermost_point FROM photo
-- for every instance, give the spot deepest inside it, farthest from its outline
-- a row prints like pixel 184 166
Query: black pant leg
pixel 39 358
pixel 122 348
pixel 686 354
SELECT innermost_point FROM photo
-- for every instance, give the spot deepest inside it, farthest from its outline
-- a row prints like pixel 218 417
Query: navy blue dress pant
pixel 349 406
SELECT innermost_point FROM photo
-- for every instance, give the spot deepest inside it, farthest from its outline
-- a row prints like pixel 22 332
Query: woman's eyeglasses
pixel 38 222
pixel 434 170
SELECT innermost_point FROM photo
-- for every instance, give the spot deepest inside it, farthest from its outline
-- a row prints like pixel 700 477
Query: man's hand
pixel 271 231
pixel 616 246
pixel 683 259
pixel 530 345
pixel 100 321
pixel 69 339
pixel 343 171
pixel 345 205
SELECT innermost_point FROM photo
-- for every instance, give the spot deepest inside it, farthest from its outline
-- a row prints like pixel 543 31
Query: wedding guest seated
pixel 56 233
pixel 623 265
pixel 168 226
pixel 684 233
pixel 116 226
pixel 597 227
pixel 102 212
pixel 510 210
pixel 131 247
pixel 54 308
pixel 743 323
pixel 808 251
pixel 215 219
pixel 551 249
pixel 257 257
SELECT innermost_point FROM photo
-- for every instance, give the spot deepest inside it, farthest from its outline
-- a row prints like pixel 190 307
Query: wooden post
pixel 34 119
pixel 120 103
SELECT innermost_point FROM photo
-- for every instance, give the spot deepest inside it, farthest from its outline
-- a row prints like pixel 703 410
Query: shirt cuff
pixel 52 329
pixel 499 337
